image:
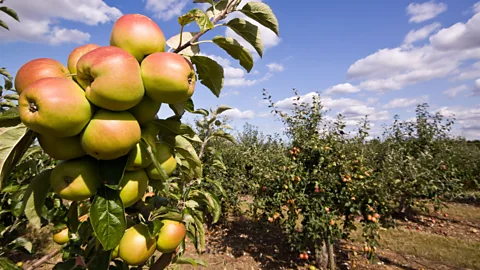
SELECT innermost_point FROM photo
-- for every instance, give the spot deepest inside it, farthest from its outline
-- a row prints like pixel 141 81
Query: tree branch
pixel 199 34
pixel 43 259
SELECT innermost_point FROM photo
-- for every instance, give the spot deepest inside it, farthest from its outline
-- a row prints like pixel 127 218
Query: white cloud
pixel 405 102
pixel 236 114
pixel 476 89
pixel 476 7
pixel 459 36
pixel 420 34
pixel 424 11
pixel 467 118
pixel 343 88
pixel 454 91
pixel 275 67
pixel 40 20
pixel 166 9
pixel 468 73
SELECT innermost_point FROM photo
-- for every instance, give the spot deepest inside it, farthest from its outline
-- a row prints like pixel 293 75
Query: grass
pixel 463 211
pixel 446 250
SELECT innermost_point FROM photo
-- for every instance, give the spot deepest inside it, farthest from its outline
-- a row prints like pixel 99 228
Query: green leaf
pixel 5 73
pixel 10 117
pixel 185 148
pixel 10 188
pixel 218 185
pixel 111 171
pixel 23 243
pixel 199 16
pixel 72 217
pixel 11 96
pixel 107 217
pixel 219 8
pixel 34 198
pixel 8 84
pixel 200 232
pixel 190 261
pixel 180 108
pixel 14 143
pixel 222 134
pixel 218 163
pixel 214 205
pixel 6 264
pixel 191 204
pixel 154 228
pixel 173 128
pixel 247 31
pixel 200 111
pixel 235 50
pixel 210 73
pixel 10 12
pixel 100 261
pixel 69 264
pixel 204 1
pixel 7 103
pixel 261 13
pixel 222 108
pixel 4 25
pixel 174 41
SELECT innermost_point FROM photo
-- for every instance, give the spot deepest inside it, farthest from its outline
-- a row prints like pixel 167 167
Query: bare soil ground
pixel 448 240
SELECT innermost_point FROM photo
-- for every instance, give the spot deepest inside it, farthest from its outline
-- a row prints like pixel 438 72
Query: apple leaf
pixel 235 50
pixel 107 217
pixel 185 148
pixel 191 261
pixel 222 134
pixel 200 232
pixel 111 172
pixel 204 1
pixel 173 128
pixel 211 73
pixel 219 8
pixel 158 166
pixel 197 15
pixel 14 142
pixel 174 43
pixel 6 264
pixel 72 217
pixel 261 13
pixel 247 31
pixel 34 198
pixel 222 108
pixel 10 12
pixel 11 96
pixel 9 118
pixel 100 260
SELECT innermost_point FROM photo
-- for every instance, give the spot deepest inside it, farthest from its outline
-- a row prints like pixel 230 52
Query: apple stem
pixel 200 42
pixel 199 34
pixel 72 74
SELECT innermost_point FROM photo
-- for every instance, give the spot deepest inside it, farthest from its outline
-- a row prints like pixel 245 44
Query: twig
pixel 43 259
pixel 199 34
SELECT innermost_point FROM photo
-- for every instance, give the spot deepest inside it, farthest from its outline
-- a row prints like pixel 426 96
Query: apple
pixel 54 107
pixel 171 234
pixel 168 77
pixel 137 245
pixel 37 69
pixel 164 155
pixel 61 148
pixel 132 187
pixel 110 135
pixel 76 54
pixel 138 35
pixel 61 237
pixel 111 78
pixel 138 156
pixel 75 179
pixel 146 110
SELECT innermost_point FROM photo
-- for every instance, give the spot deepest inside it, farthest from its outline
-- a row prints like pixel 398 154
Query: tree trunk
pixel 331 256
pixel 321 256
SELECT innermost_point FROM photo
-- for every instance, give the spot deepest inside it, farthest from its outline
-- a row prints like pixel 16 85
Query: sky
pixel 378 58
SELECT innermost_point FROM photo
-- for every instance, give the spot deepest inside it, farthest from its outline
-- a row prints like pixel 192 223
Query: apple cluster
pixel 100 107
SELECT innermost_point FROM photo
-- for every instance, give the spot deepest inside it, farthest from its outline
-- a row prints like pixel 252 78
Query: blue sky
pixel 365 57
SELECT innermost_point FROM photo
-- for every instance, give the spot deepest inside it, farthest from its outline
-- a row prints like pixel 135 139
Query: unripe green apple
pixel 61 237
pixel 138 35
pixel 76 54
pixel 55 107
pixel 75 179
pixel 111 78
pixel 146 110
pixel 137 245
pixel 114 254
pixel 164 155
pixel 110 135
pixel 37 69
pixel 170 236
pixel 61 148
pixel 168 77
pixel 138 156
pixel 132 187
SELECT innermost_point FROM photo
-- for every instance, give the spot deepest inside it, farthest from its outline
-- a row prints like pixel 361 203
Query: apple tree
pixel 120 187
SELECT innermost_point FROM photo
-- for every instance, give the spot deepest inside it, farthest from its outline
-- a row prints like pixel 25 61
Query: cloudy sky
pixel 376 57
